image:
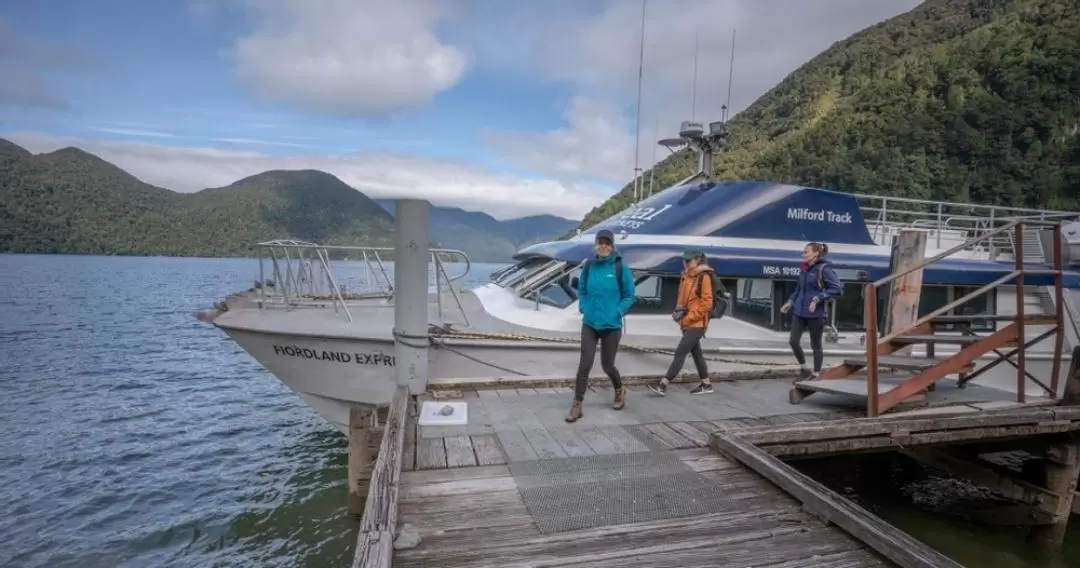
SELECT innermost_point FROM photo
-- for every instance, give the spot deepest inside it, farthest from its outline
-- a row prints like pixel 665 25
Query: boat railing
pixel 949 224
pixel 295 274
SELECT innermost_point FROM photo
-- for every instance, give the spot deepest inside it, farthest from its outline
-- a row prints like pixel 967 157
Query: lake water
pixel 134 435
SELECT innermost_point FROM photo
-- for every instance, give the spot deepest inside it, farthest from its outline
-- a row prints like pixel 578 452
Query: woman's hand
pixel 785 308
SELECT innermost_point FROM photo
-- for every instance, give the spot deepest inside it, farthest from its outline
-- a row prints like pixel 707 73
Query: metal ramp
pixel 1031 246
pixel 908 377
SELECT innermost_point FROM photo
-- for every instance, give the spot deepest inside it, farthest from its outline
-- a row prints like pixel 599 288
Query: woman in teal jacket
pixel 605 294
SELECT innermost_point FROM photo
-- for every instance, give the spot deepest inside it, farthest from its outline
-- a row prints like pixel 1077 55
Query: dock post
pixel 1062 468
pixel 411 259
pixel 363 445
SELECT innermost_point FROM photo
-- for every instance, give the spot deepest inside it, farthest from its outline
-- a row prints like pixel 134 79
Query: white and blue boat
pixel 525 322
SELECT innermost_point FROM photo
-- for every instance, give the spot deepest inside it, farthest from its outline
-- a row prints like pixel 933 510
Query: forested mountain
pixel 70 201
pixel 483 236
pixel 958 100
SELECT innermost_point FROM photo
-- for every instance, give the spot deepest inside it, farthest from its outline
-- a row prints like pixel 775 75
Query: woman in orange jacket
pixel 692 309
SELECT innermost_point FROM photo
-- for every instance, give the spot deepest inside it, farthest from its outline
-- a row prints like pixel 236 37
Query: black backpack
pixel 584 278
pixel 719 292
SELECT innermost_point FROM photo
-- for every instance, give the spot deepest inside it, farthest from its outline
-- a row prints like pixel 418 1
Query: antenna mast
pixel 637 136
pixel 731 73
pixel 693 99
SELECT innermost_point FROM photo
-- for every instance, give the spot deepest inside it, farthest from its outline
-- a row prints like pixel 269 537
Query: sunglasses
pixel 604 242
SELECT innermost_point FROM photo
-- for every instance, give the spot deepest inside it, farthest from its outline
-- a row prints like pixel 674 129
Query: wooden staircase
pixel 885 377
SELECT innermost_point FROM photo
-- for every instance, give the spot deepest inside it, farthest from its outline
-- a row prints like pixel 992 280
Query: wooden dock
pixel 518 486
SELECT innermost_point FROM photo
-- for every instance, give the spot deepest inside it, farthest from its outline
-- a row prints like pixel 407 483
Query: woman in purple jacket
pixel 816 285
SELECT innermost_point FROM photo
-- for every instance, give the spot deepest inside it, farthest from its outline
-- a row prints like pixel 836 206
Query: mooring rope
pixel 438 333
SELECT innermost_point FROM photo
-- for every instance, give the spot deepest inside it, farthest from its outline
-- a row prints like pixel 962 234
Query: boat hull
pixel 332 374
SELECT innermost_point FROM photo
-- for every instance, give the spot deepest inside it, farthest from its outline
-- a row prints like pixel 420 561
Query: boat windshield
pixel 544 280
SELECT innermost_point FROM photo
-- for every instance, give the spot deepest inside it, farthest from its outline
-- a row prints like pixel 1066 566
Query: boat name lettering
pixel 638 216
pixel 336 356
pixel 807 214
pixel 770 270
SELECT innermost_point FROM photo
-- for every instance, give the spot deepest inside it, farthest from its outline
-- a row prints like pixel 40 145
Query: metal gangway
pixel 294 274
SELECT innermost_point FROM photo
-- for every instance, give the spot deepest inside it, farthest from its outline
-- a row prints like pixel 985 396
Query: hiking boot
pixel 620 399
pixel 702 388
pixel 658 388
pixel 805 374
pixel 575 412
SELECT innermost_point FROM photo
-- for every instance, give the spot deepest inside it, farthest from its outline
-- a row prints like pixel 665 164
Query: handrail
pixel 305 285
pixel 873 342
pixel 888 279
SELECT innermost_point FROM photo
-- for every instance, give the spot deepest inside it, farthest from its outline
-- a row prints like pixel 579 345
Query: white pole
pixel 637 135
pixel 411 293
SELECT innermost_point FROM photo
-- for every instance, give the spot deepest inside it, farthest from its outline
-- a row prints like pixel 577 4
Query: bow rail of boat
pixel 949 223
pixel 296 273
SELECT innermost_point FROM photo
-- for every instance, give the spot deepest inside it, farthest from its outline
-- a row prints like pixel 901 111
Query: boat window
pixel 985 304
pixel 753 301
pixel 558 293
pixel 655 294
pixel 506 277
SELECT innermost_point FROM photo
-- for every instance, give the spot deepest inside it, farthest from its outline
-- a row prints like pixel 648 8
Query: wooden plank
pixel 487 450
pixel 696 436
pixel 571 442
pixel 598 442
pixel 856 427
pixel 362 424
pixel 430 453
pixel 480 384
pixel 622 439
pixel 545 446
pixel 515 444
pixel 669 437
pixel 895 545
pixel 459 451
pixel 409 457
pixel 374 545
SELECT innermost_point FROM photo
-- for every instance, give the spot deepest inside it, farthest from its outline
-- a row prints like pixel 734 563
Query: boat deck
pixel 518 486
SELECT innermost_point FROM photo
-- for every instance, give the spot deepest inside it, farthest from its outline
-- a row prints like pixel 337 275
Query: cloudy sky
pixel 512 107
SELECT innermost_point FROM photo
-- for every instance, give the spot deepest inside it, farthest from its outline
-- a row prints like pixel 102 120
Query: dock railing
pixel 876 345
pixel 949 223
pixel 297 273
pixel 378 526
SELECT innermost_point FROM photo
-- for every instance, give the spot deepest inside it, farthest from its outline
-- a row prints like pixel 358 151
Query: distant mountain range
pixel 71 201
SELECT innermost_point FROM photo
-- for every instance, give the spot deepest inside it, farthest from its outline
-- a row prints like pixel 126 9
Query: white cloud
pixel 598 57
pixel 24 63
pixel 349 57
pixel 135 132
pixel 376 174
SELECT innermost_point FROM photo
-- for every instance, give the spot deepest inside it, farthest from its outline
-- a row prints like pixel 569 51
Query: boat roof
pixel 742 262
pixel 746 209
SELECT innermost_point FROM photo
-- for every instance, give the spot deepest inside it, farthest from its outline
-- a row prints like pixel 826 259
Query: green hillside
pixel 484 237
pixel 958 100
pixel 70 201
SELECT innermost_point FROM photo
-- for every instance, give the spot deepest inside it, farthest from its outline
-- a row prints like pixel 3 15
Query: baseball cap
pixel 691 254
pixel 605 234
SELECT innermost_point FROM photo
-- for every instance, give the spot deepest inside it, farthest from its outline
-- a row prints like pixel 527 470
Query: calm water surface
pixel 134 435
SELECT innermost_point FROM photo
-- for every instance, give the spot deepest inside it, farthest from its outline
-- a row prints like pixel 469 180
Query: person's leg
pixel 609 348
pixel 817 329
pixel 589 337
pixel 702 367
pixel 686 343
pixel 797 325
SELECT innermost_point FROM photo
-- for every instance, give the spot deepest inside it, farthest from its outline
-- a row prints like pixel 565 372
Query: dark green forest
pixel 956 100
pixel 70 201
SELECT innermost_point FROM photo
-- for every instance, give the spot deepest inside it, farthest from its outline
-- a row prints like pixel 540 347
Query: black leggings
pixel 690 343
pixel 817 328
pixel 609 346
